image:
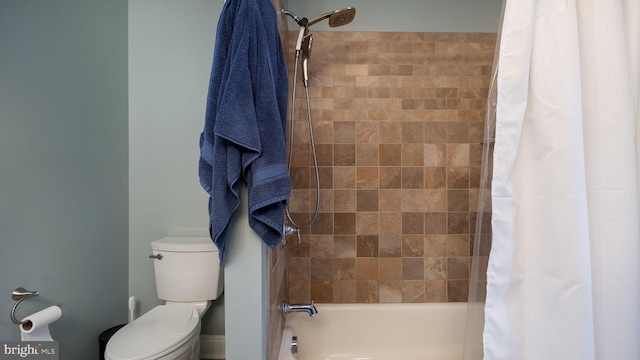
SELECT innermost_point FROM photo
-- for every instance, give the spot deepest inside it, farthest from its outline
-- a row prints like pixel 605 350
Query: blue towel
pixel 245 123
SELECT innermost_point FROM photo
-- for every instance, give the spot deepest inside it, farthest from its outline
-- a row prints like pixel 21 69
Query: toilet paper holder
pixel 20 294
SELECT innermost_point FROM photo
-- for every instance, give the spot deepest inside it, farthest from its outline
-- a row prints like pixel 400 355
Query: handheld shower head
pixel 307 44
pixel 336 18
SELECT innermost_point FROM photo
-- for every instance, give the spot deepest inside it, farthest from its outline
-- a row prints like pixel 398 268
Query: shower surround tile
pixel 398 120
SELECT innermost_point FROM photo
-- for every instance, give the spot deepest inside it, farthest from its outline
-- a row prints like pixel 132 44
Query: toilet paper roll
pixel 36 326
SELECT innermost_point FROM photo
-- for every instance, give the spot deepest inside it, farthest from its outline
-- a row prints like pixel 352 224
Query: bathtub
pixel 377 332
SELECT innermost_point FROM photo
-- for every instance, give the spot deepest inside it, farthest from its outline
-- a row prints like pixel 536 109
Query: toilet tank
pixel 187 269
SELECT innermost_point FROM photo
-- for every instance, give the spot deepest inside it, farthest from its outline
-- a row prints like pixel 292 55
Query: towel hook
pixel 20 294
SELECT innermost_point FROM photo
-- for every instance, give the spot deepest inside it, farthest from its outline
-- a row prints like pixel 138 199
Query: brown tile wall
pixel 397 119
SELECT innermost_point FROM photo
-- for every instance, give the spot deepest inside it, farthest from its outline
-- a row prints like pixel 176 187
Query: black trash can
pixel 104 338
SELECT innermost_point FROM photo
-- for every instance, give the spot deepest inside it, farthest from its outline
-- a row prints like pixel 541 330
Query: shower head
pixel 336 18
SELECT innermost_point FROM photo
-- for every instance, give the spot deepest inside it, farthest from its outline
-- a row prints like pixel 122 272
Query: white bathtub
pixel 377 332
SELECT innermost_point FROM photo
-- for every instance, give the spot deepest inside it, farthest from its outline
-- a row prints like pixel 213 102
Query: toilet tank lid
pixel 184 244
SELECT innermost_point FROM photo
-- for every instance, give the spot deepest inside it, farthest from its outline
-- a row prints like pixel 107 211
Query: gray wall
pixel 406 15
pixel 63 165
pixel 170 54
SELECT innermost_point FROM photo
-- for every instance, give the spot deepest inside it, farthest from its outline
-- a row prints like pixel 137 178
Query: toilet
pixel 188 278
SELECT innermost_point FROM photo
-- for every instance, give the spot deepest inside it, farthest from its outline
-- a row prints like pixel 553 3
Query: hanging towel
pixel 245 122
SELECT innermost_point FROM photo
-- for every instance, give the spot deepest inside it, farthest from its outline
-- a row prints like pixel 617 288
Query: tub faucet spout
pixel 287 308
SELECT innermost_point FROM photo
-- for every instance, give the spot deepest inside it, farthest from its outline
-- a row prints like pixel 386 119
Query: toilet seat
pixel 157 333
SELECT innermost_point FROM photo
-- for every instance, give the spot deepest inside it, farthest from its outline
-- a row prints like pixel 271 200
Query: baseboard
pixel 212 347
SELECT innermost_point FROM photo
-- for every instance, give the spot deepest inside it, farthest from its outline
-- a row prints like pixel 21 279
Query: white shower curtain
pixel 563 280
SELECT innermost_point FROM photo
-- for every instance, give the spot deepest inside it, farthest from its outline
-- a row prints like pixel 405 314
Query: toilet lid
pixel 159 331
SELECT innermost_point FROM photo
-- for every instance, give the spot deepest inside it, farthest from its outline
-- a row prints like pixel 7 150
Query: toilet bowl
pixel 188 277
pixel 165 332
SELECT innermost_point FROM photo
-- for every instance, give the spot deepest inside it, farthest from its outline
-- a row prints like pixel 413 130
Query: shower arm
pixel 320 18
pixel 301 22
pixel 304 28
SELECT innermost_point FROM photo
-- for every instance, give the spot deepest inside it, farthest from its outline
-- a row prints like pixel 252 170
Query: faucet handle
pixel 288 230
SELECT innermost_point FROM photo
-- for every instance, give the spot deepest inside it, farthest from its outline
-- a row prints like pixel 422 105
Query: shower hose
pixel 298 227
